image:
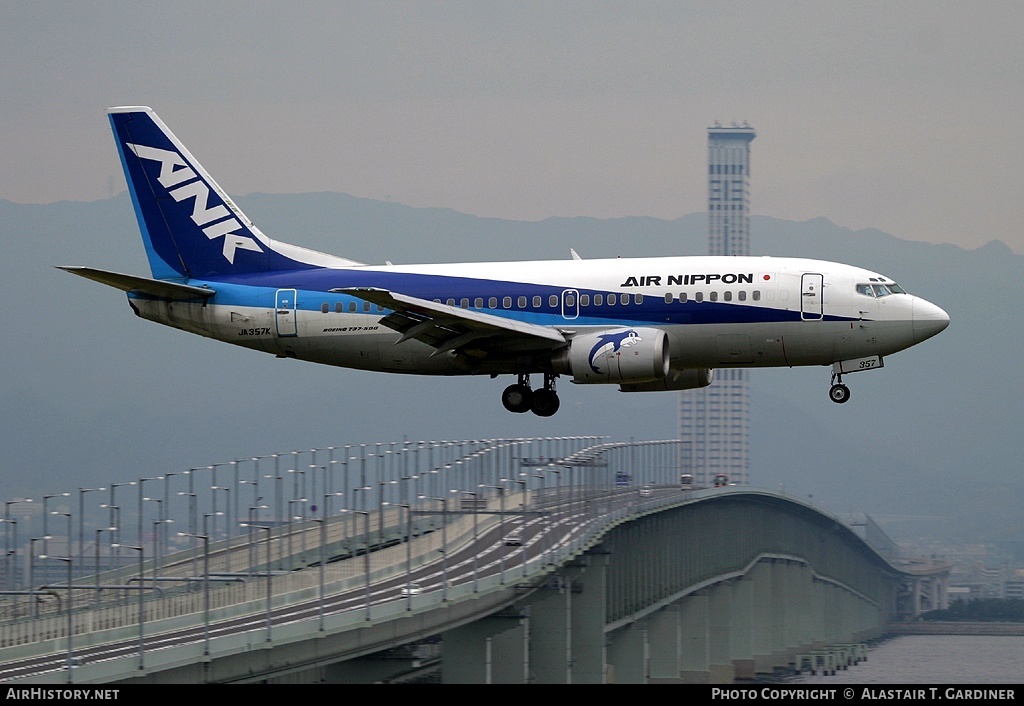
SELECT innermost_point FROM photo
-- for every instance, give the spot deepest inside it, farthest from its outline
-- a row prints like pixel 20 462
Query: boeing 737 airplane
pixel 644 324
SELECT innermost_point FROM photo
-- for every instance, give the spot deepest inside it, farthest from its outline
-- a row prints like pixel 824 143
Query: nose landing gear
pixel 840 393
pixel 519 398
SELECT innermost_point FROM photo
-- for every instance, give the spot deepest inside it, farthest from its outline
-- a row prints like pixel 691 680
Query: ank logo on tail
pixel 215 222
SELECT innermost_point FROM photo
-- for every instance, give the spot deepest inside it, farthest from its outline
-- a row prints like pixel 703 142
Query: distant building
pixel 715 421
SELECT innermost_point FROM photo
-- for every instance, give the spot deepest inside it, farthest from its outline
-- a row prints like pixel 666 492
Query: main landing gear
pixel 838 393
pixel 520 398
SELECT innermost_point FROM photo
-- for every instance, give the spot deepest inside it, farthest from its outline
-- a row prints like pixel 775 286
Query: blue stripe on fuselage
pixel 258 290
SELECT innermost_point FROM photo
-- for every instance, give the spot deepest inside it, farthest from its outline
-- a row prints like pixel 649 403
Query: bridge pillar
pixel 785 606
pixel 831 606
pixel 855 619
pixel 588 581
pixel 551 633
pixel 766 637
pixel 664 634
pixel 720 633
pixel 807 617
pixel 628 654
pixel 694 657
pixel 489 651
pixel 742 616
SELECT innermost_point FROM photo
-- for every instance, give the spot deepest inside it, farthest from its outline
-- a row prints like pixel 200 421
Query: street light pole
pixel 206 588
pixel 366 557
pixel 501 527
pixel 7 541
pixel 81 520
pixel 476 549
pixel 142 610
pixel 444 545
pixel 324 515
pixel 69 660
pixel 97 546
pixel 270 591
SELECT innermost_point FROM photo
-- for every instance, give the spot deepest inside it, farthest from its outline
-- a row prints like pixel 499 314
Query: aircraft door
pixel 285 307
pixel 570 304
pixel 812 289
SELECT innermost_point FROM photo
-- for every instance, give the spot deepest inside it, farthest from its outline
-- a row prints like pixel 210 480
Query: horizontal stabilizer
pixel 142 285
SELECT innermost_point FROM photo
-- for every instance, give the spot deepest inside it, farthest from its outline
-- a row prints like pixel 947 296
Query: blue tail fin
pixel 190 226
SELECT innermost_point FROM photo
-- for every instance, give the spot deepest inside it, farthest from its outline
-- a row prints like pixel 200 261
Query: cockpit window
pixel 879 290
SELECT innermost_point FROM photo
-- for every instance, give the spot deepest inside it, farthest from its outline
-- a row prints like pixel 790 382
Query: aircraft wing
pixel 448 328
pixel 159 289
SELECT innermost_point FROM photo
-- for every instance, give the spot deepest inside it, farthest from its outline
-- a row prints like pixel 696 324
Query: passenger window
pixel 492 302
pixel 584 300
pixel 682 297
pixel 464 303
pixel 668 297
pixel 337 308
pixel 638 298
pixel 352 307
pixel 324 308
pixel 757 295
pixel 611 300
pixel 727 296
pixel 450 302
pixel 536 301
pixel 522 302
pixel 570 300
pixel 366 306
pixel 478 302
pixel 380 307
pixel 714 296
pixel 506 302
pixel 743 295
pixel 598 299
pixel 553 301
pixel 623 299
pixel 699 296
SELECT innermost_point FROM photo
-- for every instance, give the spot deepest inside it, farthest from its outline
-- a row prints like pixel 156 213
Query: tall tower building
pixel 714 421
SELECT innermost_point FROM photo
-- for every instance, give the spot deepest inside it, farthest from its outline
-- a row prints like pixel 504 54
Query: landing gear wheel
pixel 517 398
pixel 839 393
pixel 545 403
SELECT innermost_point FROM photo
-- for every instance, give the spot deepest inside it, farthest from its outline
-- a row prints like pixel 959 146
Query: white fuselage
pixel 717 312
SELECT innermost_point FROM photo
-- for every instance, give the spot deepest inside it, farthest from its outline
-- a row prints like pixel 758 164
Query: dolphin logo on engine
pixel 611 343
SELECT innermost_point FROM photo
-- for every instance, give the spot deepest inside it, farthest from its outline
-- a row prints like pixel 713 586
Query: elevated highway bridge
pixel 500 565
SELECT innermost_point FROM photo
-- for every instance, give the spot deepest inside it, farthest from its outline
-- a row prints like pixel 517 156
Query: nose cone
pixel 928 320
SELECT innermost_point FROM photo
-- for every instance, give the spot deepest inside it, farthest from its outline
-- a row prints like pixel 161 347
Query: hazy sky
pixel 873 114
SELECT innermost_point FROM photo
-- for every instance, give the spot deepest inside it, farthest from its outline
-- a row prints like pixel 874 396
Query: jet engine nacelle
pixel 675 380
pixel 626 355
